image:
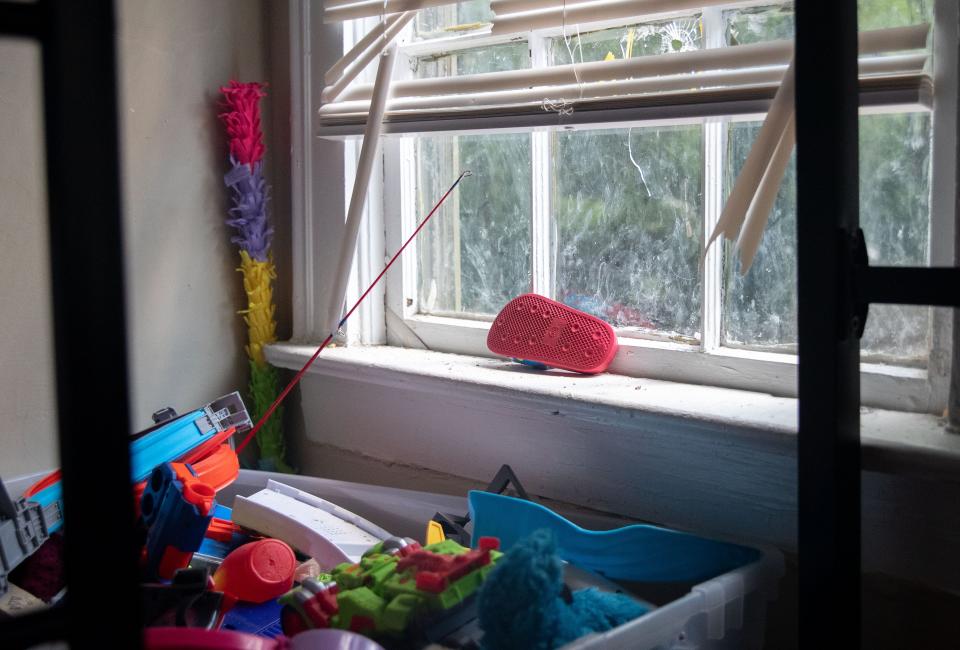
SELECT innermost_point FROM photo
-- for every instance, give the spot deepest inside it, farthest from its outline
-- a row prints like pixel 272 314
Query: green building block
pixel 399 612
pixel 359 602
pixel 377 599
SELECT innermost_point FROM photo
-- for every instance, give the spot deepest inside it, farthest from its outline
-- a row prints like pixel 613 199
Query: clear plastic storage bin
pixel 726 612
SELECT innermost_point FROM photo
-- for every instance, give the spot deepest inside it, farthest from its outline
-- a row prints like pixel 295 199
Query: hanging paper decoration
pixel 248 216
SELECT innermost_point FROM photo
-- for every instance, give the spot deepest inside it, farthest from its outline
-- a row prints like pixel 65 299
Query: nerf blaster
pixel 199 438
pixel 176 508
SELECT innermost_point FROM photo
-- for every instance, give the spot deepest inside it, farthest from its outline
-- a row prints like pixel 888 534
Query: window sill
pixel 884 387
pixel 892 441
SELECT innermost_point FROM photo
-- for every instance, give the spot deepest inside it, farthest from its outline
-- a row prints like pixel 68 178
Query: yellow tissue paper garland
pixel 261 331
pixel 262 328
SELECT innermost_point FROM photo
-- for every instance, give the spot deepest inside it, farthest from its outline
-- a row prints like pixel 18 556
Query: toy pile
pixel 282 568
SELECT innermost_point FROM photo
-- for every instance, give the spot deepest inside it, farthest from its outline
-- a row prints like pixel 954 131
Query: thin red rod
pixel 296 378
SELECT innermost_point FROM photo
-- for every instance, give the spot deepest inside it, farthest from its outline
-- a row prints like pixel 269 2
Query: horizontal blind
pixel 504 7
pixel 898 66
pixel 890 58
pixel 351 64
pixel 511 16
pixel 738 57
pixel 340 10
pixel 381 31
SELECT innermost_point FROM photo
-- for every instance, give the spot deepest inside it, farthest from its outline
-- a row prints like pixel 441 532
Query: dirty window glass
pixel 626 205
pixel 495 58
pixel 452 19
pixel 881 14
pixel 677 35
pixel 756 24
pixel 628 211
pixel 774 22
pixel 760 307
pixel 475 253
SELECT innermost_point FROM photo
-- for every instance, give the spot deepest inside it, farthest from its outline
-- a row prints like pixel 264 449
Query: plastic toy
pixel 186 601
pixel 542 332
pixel 397 589
pixel 223 537
pixel 176 509
pixel 638 553
pixel 23 529
pixel 179 638
pixel 257 572
pixel 315 527
pixel 445 525
pixel 262 619
pixel 434 532
pixel 524 604
pixel 173 438
pixel 218 469
pixel 248 217
pixel 187 638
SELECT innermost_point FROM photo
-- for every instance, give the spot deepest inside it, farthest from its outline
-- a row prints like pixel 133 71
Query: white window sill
pixel 893 441
pixel 882 386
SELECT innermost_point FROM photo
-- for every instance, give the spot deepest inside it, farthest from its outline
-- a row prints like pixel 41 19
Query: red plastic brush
pixel 532 328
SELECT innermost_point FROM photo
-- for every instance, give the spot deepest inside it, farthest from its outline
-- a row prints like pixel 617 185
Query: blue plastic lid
pixel 638 552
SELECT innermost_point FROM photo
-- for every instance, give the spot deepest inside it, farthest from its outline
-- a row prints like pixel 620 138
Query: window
pixel 610 216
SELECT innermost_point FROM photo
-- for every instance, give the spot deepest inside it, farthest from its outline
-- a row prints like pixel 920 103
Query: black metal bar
pixel 937 286
pixel 20 19
pixel 829 388
pixel 83 177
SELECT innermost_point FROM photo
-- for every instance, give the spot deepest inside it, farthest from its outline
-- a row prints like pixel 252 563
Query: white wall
pixel 27 420
pixel 183 291
pixel 186 338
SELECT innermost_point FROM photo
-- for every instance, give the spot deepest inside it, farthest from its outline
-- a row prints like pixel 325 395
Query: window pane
pixel 760 308
pixel 758 24
pixel 895 217
pixel 475 253
pixel 628 210
pixel 509 56
pixel 775 22
pixel 676 35
pixel 880 14
pixel 453 19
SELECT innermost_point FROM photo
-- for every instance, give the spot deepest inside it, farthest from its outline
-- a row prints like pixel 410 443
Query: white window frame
pixel 884 386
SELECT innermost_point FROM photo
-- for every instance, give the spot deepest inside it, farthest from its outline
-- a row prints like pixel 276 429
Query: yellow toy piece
pixel 434 532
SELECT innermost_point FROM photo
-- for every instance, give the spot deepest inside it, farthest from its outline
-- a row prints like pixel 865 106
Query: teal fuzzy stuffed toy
pixel 524 604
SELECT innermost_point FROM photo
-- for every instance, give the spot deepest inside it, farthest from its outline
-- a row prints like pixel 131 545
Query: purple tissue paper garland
pixel 249 212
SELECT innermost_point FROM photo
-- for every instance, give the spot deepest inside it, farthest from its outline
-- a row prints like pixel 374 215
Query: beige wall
pixel 27 420
pixel 183 291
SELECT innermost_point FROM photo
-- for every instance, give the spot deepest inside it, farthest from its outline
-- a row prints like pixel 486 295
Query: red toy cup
pixel 257 572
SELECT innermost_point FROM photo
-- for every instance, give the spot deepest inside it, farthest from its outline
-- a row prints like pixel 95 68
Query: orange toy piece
pixel 218 470
pixel 257 572
pixel 208 447
pixel 217 466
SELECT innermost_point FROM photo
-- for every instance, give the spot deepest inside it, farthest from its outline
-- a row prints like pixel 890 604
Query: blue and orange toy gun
pixel 199 437
pixel 176 508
